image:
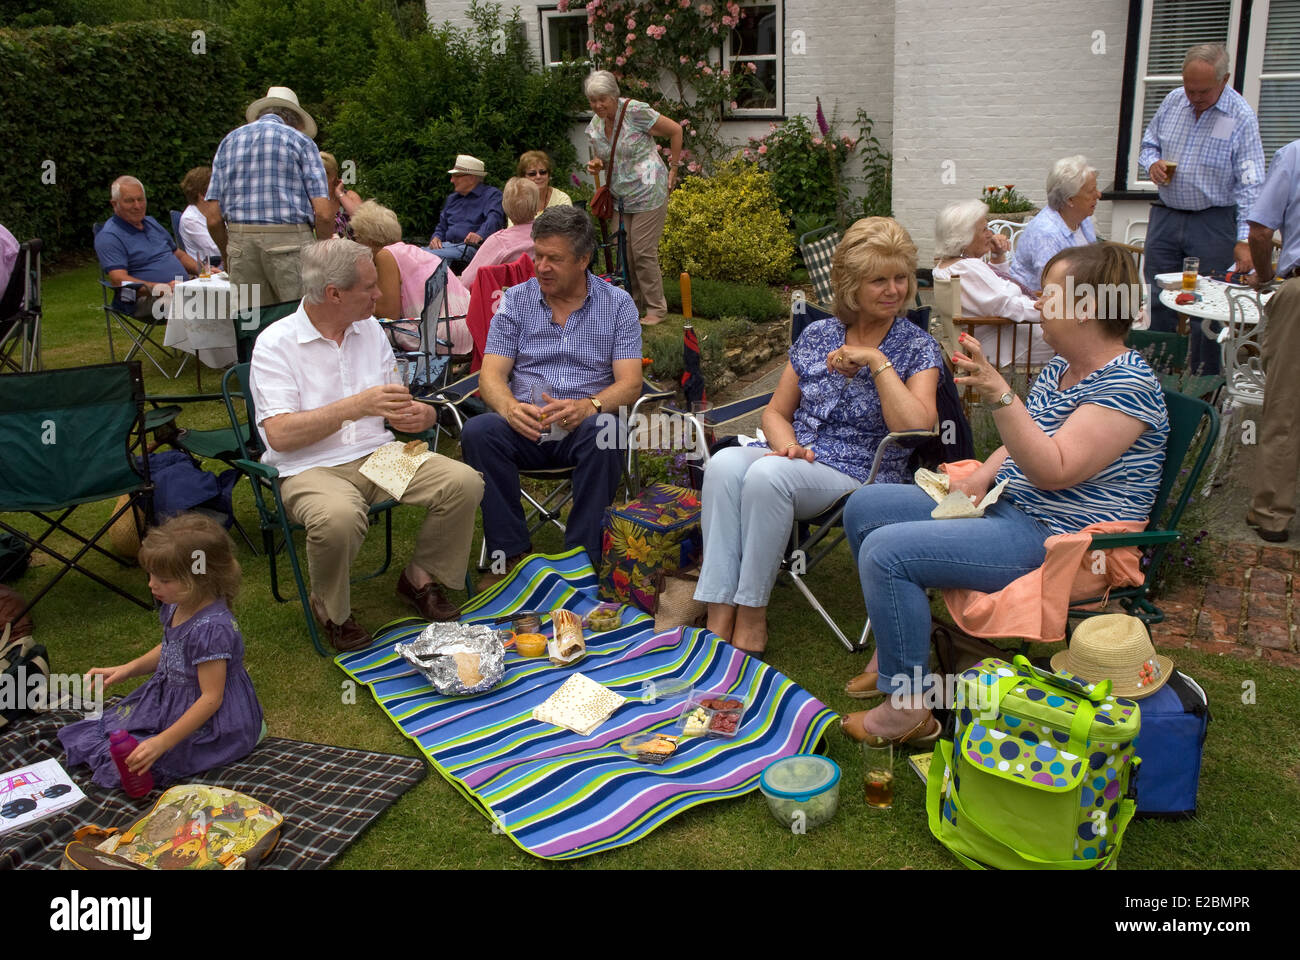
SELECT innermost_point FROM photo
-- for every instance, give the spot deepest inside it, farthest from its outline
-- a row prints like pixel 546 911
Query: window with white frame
pixel 1265 32
pixel 564 36
pixel 758 39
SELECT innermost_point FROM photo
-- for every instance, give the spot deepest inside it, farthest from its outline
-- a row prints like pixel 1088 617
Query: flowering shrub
pixel 665 53
pixel 811 170
pixel 1006 199
pixel 728 227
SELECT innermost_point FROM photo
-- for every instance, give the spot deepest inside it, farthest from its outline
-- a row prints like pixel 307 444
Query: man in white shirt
pixel 321 396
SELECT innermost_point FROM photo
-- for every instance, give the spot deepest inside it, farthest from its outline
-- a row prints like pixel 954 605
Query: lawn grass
pixel 1249 799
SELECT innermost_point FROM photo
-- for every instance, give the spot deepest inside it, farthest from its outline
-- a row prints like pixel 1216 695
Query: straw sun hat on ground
pixel 1116 647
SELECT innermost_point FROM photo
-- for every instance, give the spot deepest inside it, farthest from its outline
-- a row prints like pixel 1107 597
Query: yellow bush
pixel 728 227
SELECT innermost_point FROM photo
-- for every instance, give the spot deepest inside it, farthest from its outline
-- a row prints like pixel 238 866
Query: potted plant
pixel 1007 203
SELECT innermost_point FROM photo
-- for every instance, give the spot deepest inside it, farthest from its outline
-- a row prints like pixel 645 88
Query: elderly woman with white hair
pixel 520 200
pixel 962 239
pixel 638 177
pixel 1072 197
pixel 404 269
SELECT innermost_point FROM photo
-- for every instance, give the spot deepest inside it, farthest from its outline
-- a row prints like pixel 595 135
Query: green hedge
pixel 714 298
pixel 83 105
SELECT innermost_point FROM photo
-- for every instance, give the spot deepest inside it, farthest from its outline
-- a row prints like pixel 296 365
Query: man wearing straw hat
pixel 270 189
pixel 471 213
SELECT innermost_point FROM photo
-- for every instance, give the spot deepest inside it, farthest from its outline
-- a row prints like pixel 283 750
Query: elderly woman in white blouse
pixel 962 239
pixel 1072 197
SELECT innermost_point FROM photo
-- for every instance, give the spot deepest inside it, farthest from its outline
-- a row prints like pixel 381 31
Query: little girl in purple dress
pixel 198 710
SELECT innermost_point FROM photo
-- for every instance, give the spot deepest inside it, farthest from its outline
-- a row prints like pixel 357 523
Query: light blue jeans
pixel 748 505
pixel 901 551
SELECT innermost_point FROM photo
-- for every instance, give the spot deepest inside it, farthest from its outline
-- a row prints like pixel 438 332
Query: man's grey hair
pixel 1212 53
pixel 284 113
pixel 115 191
pixel 1067 177
pixel 600 83
pixel 571 223
pixel 954 228
pixel 330 263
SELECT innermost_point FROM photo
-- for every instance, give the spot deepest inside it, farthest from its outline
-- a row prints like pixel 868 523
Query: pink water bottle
pixel 120 745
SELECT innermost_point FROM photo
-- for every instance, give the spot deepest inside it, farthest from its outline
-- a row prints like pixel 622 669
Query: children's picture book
pixel 35 792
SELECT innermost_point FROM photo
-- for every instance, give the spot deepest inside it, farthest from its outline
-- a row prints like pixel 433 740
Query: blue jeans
pixel 901 551
pixel 748 505
pixel 454 251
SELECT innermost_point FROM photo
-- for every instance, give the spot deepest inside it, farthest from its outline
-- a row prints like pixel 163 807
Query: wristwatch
pixel 1003 401
pixel 595 403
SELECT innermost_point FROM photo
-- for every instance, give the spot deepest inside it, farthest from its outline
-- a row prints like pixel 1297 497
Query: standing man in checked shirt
pixel 564 348
pixel 269 185
pixel 1203 152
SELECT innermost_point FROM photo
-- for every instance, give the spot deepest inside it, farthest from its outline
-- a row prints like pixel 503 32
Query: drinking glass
pixel 539 388
pixel 1191 267
pixel 400 374
pixel 878 775
pixel 205 267
pixel 1170 167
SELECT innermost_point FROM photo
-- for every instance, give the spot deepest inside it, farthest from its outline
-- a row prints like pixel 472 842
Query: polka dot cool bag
pixel 1038 773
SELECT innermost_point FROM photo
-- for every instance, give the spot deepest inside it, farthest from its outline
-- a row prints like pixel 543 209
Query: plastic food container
pixel 802 790
pixel 530 644
pixel 603 617
pixel 713 715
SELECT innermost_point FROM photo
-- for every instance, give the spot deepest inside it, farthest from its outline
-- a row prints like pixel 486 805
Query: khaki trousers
pixel 331 503
pixel 643 233
pixel 1273 502
pixel 270 256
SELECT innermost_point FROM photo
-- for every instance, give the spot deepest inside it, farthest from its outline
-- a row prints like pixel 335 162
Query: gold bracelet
pixel 881 369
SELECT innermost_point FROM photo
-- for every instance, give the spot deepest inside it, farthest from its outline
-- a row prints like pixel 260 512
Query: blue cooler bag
pixel 1174 721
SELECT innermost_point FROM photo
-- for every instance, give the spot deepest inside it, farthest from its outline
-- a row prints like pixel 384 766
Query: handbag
pixel 675 603
pixel 602 204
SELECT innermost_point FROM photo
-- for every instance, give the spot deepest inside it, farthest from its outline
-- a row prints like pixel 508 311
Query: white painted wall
pixel 1000 89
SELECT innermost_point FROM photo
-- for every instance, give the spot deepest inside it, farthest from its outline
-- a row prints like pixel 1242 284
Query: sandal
pixel 926 732
pixel 865 686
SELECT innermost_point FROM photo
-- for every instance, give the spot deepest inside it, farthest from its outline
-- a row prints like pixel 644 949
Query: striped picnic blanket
pixel 556 794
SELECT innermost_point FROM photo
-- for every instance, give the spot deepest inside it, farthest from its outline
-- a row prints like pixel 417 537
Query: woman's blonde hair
pixel 533 158
pixel 869 247
pixel 519 199
pixel 375 225
pixel 1106 275
pixel 196 551
pixel 331 166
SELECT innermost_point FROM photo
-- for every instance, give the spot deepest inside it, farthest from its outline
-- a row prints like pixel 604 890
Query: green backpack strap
pixel 1098 693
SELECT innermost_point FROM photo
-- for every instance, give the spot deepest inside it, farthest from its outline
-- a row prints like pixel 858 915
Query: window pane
pixel 1279 123
pixel 1156 91
pixel 1179 24
pixel 568 38
pixel 760 94
pixel 756 32
pixel 1282 44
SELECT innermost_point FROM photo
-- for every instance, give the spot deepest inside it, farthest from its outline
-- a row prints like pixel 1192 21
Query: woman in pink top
pixel 403 270
pixel 519 199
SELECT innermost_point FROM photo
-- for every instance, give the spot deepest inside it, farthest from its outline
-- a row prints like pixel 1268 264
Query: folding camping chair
pixel 817 247
pixel 119 309
pixel 277 528
pixel 176 229
pixel 20 313
pixel 813 539
pixel 432 356
pixel 67 437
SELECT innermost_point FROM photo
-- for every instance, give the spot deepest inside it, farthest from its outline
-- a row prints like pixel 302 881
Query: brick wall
pixel 1001 89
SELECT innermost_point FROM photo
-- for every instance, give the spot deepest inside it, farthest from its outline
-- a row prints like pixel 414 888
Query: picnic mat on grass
pixel 328 795
pixel 559 795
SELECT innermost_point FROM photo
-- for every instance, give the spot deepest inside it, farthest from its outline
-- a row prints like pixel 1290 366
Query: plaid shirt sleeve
pixel 313 172
pixel 1248 151
pixel 627 330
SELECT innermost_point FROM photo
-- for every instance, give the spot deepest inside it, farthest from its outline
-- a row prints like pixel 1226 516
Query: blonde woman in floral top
pixel 639 179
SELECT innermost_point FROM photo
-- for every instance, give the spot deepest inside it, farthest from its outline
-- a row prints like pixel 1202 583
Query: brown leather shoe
pixel 344 637
pixel 430 602
pixel 492 579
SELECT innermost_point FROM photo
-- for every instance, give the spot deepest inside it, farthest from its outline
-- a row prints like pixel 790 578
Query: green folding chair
pixel 66 439
pixel 1191 421
pixel 277 528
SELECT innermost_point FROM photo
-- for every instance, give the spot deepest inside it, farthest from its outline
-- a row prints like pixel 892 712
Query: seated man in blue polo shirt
pixel 471 213
pixel 134 247
pixel 564 350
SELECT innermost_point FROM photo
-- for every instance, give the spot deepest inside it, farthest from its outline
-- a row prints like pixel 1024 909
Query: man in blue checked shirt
pixel 270 188
pixel 1272 505
pixel 563 351
pixel 1203 152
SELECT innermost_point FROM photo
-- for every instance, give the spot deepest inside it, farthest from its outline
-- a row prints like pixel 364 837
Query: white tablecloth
pixel 198 321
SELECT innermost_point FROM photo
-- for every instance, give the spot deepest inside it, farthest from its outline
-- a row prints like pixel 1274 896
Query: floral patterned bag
pixel 657 532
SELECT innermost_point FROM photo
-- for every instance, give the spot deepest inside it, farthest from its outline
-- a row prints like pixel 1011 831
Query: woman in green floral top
pixel 639 179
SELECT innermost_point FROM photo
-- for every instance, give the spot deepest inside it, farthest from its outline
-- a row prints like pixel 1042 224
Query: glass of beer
pixel 205 267
pixel 1170 167
pixel 878 775
pixel 1191 267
